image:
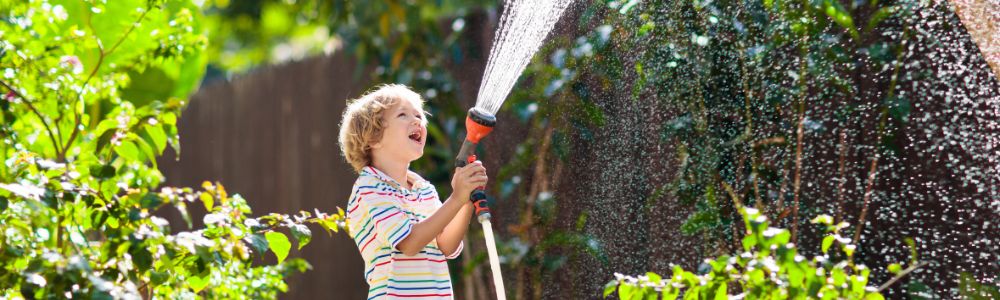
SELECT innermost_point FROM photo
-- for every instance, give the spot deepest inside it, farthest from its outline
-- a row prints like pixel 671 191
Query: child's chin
pixel 417 156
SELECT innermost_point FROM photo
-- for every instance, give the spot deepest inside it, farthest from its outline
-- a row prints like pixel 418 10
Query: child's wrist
pixel 462 196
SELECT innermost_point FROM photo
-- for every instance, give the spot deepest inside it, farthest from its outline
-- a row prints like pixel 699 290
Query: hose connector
pixel 478 198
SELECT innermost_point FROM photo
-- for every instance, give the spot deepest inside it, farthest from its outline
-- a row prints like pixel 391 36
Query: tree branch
pixel 799 135
pixel 901 274
pixel 897 64
pixel 35 111
pixel 872 175
pixel 841 190
pixel 100 60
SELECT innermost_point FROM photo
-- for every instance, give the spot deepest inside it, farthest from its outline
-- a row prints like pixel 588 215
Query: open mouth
pixel 415 136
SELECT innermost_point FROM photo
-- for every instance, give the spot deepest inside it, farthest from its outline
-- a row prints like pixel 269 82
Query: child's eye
pixel 401 115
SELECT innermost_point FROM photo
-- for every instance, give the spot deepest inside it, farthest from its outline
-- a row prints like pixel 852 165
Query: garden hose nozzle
pixel 478 124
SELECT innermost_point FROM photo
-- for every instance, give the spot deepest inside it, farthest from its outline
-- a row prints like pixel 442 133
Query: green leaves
pixel 151 201
pixel 258 242
pixel 610 287
pixel 895 268
pixel 154 136
pixel 198 283
pixel 827 242
pixel 90 101
pixel 721 292
pixel 970 288
pixel 207 200
pixel 128 150
pixel 770 268
pixel 102 171
pixel 841 16
pixel 880 15
pixel 279 244
pixel 301 234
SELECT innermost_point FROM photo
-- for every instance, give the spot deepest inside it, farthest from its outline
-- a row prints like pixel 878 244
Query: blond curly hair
pixel 362 125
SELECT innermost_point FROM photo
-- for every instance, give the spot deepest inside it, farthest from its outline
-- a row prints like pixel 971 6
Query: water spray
pixel 523 27
pixel 478 124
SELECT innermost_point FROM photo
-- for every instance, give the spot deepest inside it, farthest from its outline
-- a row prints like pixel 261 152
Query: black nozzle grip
pixel 478 198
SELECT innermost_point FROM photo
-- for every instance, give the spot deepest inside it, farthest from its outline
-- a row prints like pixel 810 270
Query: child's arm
pixel 451 237
pixel 466 179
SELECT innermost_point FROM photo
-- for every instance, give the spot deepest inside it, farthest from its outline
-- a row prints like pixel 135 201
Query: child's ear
pixel 375 146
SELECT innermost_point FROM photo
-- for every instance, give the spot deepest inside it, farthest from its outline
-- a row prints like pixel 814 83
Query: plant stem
pixel 798 176
pixel 59 232
pixel 901 274
pixel 869 189
pixel 872 175
pixel 799 135
pixel 843 176
pixel 748 131
pixel 737 237
pixel 61 154
pixel 31 107
pixel 781 189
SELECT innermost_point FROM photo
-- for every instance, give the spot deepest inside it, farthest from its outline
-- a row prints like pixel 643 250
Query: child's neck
pixel 395 169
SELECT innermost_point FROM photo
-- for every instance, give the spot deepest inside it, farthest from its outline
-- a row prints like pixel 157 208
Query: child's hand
pixel 468 178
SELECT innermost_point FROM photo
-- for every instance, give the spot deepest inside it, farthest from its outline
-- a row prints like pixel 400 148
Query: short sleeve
pixel 458 251
pixel 390 223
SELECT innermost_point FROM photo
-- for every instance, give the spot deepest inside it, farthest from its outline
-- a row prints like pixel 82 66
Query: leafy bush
pixel 769 268
pixel 91 96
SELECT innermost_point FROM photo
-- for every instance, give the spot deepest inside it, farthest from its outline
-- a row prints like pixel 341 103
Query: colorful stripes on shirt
pixel 380 214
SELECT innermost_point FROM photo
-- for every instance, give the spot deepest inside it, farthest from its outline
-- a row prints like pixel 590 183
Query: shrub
pixel 91 93
pixel 769 268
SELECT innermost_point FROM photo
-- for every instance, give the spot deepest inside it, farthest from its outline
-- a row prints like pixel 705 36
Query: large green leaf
pixel 279 244
pixel 198 283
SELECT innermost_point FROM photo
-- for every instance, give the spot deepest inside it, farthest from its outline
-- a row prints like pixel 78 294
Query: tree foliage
pixel 91 95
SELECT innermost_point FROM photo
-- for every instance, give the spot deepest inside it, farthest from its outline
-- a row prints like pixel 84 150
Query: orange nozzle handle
pixel 475 130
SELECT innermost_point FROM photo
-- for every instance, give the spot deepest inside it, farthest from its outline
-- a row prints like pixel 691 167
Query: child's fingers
pixel 470 169
pixel 477 168
pixel 479 179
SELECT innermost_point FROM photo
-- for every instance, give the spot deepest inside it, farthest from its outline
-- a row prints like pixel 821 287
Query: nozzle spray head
pixel 478 124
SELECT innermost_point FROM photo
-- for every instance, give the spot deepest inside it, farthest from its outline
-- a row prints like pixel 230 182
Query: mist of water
pixel 523 27
pixel 938 176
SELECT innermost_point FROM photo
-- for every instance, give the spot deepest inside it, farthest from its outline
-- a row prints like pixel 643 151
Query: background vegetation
pixel 628 146
pixel 92 93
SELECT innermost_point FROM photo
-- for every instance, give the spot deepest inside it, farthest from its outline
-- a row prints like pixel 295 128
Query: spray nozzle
pixel 478 124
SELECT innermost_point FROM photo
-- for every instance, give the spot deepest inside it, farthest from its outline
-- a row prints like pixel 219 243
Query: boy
pixel 404 232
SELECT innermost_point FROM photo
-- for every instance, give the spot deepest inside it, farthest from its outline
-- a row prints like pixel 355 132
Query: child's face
pixel 404 134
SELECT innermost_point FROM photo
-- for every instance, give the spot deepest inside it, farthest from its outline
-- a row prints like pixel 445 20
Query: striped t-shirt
pixel 380 214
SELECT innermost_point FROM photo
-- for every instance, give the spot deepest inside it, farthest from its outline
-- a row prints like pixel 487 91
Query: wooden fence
pixel 271 136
